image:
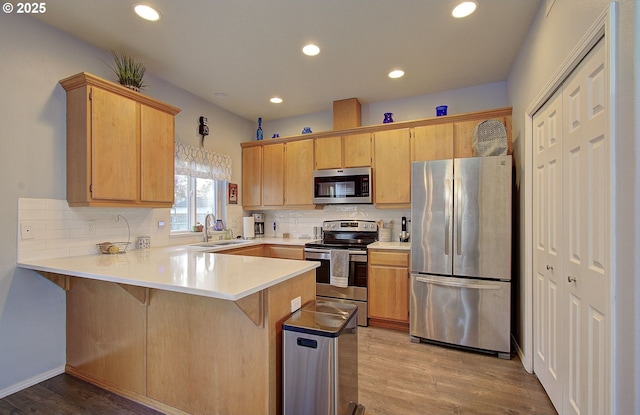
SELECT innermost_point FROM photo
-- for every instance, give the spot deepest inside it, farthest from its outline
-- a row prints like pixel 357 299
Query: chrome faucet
pixel 209 216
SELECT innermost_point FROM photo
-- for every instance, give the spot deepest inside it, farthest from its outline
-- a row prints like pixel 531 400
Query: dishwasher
pixel 320 360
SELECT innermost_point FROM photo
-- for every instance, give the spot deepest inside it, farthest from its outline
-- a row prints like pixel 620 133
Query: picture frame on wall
pixel 233 194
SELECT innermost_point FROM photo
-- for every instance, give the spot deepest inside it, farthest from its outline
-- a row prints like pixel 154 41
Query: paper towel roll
pixel 247 227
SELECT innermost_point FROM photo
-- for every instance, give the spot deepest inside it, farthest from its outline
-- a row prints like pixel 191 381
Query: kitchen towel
pixel 248 229
pixel 339 268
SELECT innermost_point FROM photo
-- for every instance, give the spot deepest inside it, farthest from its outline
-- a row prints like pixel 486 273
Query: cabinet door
pixel 463 137
pixel 252 176
pixel 157 154
pixel 114 149
pixel 388 293
pixel 328 153
pixel 273 174
pixel 299 172
pixel 357 150
pixel 392 167
pixel 432 142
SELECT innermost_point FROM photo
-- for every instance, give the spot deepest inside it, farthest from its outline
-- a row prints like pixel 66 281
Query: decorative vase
pixel 219 226
pixel 306 130
pixel 259 130
pixel 387 118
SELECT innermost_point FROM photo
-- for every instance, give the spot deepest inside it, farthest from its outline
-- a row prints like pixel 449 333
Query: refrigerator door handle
pixel 478 285
pixel 447 215
pixel 458 188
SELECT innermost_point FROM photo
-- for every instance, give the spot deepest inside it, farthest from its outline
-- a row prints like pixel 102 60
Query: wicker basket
pixel 113 247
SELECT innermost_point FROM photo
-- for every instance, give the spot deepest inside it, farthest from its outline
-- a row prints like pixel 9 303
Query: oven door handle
pixel 328 251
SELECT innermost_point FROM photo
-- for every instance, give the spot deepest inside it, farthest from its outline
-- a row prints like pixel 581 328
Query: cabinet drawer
pixel 393 258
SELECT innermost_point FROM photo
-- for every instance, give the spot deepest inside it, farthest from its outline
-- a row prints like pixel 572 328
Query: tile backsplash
pixel 57 230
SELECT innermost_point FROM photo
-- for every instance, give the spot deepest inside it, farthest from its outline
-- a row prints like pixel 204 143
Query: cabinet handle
pixel 571 279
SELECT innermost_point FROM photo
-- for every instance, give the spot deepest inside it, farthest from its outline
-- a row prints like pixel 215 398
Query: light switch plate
pixel 296 303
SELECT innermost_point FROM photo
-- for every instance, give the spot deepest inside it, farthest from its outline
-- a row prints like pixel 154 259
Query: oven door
pixel 355 293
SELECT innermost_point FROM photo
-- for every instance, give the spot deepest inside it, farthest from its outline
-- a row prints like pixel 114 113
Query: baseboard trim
pixel 31 381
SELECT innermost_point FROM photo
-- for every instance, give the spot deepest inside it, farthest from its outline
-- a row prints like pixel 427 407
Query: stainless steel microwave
pixel 339 186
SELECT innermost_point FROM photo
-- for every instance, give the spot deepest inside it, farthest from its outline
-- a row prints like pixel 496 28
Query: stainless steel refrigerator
pixel 461 252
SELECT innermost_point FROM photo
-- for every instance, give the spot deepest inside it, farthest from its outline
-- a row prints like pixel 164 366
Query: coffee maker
pixel 258 224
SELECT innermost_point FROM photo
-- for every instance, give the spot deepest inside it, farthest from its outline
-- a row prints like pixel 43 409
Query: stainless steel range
pixel 352 236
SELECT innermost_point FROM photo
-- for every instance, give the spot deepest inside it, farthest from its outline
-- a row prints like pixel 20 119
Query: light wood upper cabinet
pixel 273 174
pixel 432 142
pixel 357 150
pixel 120 145
pixel 463 136
pixel 392 167
pixel 157 155
pixel 299 173
pixel 328 153
pixel 343 151
pixel 252 176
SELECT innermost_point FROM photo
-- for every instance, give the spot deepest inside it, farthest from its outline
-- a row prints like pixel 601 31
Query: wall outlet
pixel 90 227
pixel 296 303
pixel 26 232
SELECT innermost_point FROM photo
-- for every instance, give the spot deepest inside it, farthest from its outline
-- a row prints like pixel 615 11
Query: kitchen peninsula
pixel 180 329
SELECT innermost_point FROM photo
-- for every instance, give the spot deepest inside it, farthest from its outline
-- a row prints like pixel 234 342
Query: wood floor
pixel 396 377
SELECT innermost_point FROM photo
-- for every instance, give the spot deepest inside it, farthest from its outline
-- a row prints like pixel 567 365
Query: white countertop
pixel 185 269
pixel 402 246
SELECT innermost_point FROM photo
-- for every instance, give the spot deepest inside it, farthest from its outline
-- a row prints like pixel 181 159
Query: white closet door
pixel 547 259
pixel 586 213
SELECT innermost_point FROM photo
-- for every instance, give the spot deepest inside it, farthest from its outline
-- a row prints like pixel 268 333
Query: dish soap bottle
pixel 259 131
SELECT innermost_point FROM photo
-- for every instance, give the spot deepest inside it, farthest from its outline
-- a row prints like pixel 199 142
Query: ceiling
pixel 250 50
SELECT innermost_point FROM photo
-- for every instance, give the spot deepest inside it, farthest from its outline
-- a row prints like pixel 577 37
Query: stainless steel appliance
pixel 337 186
pixel 320 360
pixel 258 225
pixel 352 236
pixel 461 252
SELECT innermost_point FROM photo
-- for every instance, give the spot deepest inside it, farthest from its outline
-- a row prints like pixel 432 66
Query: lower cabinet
pixel 389 289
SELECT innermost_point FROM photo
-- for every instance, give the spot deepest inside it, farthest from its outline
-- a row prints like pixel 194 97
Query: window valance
pixel 202 163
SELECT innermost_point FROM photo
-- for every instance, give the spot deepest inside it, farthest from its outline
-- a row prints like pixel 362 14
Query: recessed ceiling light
pixel 147 12
pixel 464 9
pixel 311 50
pixel 276 100
pixel 396 74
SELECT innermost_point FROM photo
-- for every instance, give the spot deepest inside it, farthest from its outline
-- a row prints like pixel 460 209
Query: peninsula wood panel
pixel 106 333
pixel 284 252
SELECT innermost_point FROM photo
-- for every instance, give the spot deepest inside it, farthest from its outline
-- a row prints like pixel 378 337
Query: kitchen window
pixel 201 179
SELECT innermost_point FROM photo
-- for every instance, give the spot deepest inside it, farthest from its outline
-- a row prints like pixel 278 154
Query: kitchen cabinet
pixel 120 145
pixel 463 136
pixel 392 168
pixel 389 289
pixel 273 174
pixel 284 251
pixel 278 174
pixel 251 177
pixel 432 142
pixel 352 150
pixel 299 173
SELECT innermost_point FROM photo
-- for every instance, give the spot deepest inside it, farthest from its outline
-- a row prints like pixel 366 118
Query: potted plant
pixel 128 71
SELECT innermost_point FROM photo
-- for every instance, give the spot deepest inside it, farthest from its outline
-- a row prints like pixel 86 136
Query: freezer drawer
pixel 460 311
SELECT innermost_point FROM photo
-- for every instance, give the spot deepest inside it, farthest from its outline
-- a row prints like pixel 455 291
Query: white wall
pixel 549 42
pixel 33 136
pixel 476 98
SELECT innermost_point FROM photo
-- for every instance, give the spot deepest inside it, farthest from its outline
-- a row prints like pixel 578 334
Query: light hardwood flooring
pixel 396 377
